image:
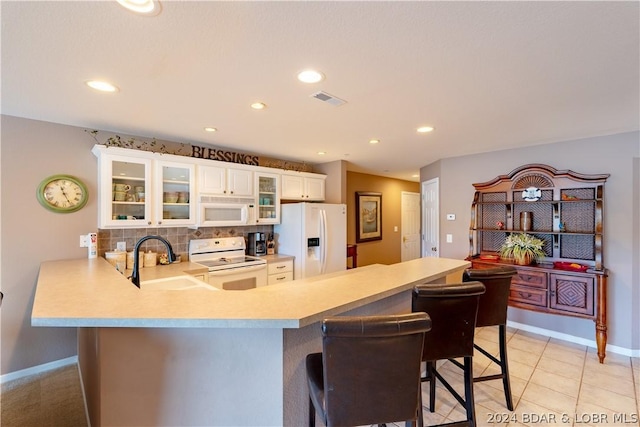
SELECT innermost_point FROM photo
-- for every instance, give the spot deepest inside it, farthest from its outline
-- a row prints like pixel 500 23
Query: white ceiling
pixel 486 75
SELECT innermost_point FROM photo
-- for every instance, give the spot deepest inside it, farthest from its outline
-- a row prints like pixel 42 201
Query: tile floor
pixel 554 383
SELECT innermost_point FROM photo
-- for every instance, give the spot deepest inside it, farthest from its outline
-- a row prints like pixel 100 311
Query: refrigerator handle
pixel 323 241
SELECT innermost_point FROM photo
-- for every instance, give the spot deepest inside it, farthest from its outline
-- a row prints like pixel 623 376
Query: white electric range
pixel 229 267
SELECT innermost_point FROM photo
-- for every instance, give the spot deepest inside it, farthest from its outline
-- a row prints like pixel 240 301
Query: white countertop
pixel 91 293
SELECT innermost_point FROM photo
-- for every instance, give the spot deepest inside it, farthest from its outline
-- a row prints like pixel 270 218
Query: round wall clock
pixel 62 193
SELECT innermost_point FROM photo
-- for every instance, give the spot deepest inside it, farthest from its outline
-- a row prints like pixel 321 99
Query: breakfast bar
pixel 209 357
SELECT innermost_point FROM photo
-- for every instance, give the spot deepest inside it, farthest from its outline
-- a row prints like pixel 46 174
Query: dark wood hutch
pixel 566 210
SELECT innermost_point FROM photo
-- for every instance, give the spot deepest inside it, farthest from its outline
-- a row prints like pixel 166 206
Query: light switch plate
pixel 449 238
pixel 84 242
pixel 121 246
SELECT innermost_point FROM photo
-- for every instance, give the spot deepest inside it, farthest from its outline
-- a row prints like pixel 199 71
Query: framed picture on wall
pixel 368 216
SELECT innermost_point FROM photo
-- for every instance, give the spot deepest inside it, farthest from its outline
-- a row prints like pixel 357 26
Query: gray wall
pixel 31 151
pixel 617 155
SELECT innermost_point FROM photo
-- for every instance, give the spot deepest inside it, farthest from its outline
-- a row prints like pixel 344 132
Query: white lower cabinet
pixel 279 272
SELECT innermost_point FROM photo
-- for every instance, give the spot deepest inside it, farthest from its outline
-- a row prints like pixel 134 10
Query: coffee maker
pixel 257 244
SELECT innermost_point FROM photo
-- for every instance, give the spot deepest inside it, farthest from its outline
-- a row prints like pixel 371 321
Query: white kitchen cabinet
pixel 303 186
pixel 175 202
pixel 268 197
pixel 225 181
pixel 279 272
pixel 136 189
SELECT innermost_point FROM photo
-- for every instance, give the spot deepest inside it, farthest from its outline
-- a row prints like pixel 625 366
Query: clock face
pixel 62 193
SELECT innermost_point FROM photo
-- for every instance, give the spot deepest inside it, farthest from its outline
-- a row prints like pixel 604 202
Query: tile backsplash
pixel 179 237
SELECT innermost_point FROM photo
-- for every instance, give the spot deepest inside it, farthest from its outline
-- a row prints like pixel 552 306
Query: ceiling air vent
pixel 329 99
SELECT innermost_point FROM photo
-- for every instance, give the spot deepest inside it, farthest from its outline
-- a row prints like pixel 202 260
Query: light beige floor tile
pixel 517 387
pixel 590 394
pixel 528 342
pixel 566 355
pixel 558 367
pixel 531 414
pixel 566 346
pixel 568 386
pixel 488 333
pixel 523 356
pixel 603 379
pixel 517 369
pixel 592 415
pixel 548 398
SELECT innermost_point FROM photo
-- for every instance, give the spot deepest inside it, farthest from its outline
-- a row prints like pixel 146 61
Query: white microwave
pixel 224 211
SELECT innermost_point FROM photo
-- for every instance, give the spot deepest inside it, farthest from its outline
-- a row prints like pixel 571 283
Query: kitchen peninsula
pixel 203 357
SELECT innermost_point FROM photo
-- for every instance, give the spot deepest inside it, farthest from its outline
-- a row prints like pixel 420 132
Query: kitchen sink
pixel 178 283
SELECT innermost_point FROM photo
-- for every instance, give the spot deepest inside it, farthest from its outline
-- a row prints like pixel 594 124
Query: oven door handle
pixel 229 271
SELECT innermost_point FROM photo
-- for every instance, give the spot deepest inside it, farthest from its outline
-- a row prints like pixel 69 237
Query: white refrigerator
pixel 316 235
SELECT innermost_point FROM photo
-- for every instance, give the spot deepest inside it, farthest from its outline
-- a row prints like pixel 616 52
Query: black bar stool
pixel 492 311
pixel 452 309
pixel 368 371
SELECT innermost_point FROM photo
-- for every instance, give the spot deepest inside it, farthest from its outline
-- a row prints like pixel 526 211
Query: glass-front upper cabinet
pixel 124 201
pixel 137 190
pixel 268 198
pixel 175 197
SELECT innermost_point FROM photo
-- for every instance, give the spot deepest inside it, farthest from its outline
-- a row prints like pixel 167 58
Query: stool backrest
pixel 452 309
pixel 492 309
pixel 372 367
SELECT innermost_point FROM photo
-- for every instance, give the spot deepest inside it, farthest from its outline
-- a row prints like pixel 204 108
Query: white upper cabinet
pixel 138 190
pixel 302 186
pixel 268 198
pixel 225 181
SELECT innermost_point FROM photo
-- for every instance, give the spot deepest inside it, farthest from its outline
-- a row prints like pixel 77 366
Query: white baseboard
pixel 570 338
pixel 38 369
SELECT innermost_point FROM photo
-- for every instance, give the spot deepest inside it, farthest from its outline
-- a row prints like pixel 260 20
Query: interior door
pixel 410 226
pixel 430 218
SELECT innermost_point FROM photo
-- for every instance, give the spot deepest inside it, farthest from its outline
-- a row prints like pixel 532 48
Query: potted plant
pixel 523 248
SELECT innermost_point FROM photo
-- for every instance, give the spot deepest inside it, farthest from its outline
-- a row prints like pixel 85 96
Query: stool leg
pixel 312 414
pixel 419 415
pixel 432 385
pixel 468 391
pixel 504 365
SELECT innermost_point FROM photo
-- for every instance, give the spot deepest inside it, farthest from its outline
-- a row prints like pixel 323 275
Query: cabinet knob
pixel 148 222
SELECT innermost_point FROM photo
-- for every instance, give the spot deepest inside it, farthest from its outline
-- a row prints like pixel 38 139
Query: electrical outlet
pixel 121 246
pixel 451 217
pixel 84 241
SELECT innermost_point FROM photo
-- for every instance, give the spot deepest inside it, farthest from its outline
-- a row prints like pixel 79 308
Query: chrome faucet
pixel 135 275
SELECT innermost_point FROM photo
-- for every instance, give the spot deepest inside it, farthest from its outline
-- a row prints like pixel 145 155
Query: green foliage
pixel 521 245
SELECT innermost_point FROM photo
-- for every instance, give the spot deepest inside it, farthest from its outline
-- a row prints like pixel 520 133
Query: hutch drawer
pixel 525 295
pixel 537 279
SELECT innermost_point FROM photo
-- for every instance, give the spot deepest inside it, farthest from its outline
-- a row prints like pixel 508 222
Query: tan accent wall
pixel 387 250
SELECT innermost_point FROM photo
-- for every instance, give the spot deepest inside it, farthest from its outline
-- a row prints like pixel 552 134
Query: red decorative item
pixel 570 266
pixel 489 257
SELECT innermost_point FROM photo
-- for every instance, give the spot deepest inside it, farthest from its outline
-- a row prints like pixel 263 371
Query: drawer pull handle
pixel 281 266
pixel 523 295
pixel 281 278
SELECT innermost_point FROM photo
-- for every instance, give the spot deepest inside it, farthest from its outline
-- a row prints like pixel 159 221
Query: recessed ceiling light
pixel 210 129
pixel 374 141
pixel 425 129
pixel 102 86
pixel 258 105
pixel 322 153
pixel 415 175
pixel 143 7
pixel 310 76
